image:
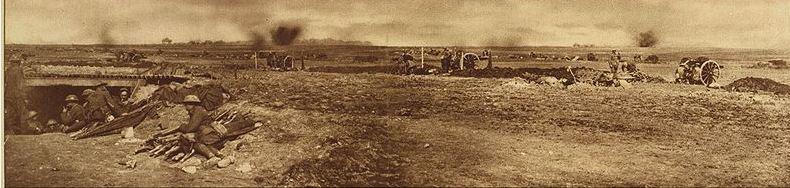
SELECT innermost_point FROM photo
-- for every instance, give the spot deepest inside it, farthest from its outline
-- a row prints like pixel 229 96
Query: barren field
pixel 342 127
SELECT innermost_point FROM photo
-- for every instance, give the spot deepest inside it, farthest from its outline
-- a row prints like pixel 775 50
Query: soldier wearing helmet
pixel 198 130
pixel 33 122
pixel 123 97
pixel 97 107
pixel 73 114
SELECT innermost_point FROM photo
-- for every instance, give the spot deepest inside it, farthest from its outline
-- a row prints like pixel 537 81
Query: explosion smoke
pixel 285 35
pixel 646 39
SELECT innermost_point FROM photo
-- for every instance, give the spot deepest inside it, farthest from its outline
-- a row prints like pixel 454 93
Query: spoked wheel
pixel 288 62
pixel 710 72
pixel 470 60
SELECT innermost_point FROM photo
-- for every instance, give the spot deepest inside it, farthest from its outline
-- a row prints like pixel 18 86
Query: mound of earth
pixel 496 72
pixel 751 84
pixel 355 69
pixel 643 77
pixel 363 156
pixel 773 64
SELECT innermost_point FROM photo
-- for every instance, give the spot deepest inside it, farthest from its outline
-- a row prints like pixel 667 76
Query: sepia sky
pixel 706 23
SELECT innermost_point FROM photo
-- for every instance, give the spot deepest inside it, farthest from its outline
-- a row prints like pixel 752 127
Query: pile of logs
pixel 178 147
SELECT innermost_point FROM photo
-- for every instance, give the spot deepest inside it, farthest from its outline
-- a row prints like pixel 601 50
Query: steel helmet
pixel 87 92
pixel 71 98
pixel 191 99
pixel 32 114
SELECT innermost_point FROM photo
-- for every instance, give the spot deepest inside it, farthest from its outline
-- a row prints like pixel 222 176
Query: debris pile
pixel 495 72
pixel 643 77
pixel 772 64
pixel 355 69
pixel 177 147
pixel 751 84
pixel 651 59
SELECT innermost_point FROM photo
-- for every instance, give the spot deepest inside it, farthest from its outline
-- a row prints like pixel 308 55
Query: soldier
pixel 447 59
pixel 166 93
pixel 123 97
pixel 270 60
pixel 615 62
pixel 96 109
pixel 124 102
pixel 34 123
pixel 408 61
pixel 198 130
pixel 73 115
pixel 112 103
pixel 487 56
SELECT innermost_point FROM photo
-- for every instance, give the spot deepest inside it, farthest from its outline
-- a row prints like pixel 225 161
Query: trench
pixel 49 101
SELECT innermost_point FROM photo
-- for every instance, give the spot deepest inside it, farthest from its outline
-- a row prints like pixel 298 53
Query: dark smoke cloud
pixel 647 39
pixel 285 35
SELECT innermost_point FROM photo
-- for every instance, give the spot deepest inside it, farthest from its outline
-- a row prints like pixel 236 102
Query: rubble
pixel 752 84
pixel 772 64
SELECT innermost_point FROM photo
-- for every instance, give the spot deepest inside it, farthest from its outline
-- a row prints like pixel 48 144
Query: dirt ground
pixel 329 129
pixel 345 123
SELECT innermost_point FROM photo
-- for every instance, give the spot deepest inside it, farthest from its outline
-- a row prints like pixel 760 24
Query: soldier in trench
pixel 199 131
pixel 73 115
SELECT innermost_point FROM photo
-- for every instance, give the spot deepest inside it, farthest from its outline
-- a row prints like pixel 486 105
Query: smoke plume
pixel 285 35
pixel 646 39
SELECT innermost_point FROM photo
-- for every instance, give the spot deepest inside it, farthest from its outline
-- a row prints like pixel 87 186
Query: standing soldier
pixel 615 62
pixel 73 115
pixel 407 61
pixel 487 56
pixel 447 59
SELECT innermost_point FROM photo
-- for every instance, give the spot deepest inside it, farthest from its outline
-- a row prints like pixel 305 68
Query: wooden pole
pixel 255 56
pixel 461 59
pixel 422 57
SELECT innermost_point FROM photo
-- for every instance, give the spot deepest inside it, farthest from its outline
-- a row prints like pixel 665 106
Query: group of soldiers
pixel 98 106
pixel 618 64
pixel 450 59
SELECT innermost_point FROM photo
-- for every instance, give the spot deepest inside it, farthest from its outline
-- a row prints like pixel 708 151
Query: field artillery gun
pixel 700 70
pixel 461 60
pixel 277 59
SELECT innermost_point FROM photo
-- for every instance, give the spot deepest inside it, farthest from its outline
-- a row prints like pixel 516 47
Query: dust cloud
pixel 646 39
pixel 285 35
